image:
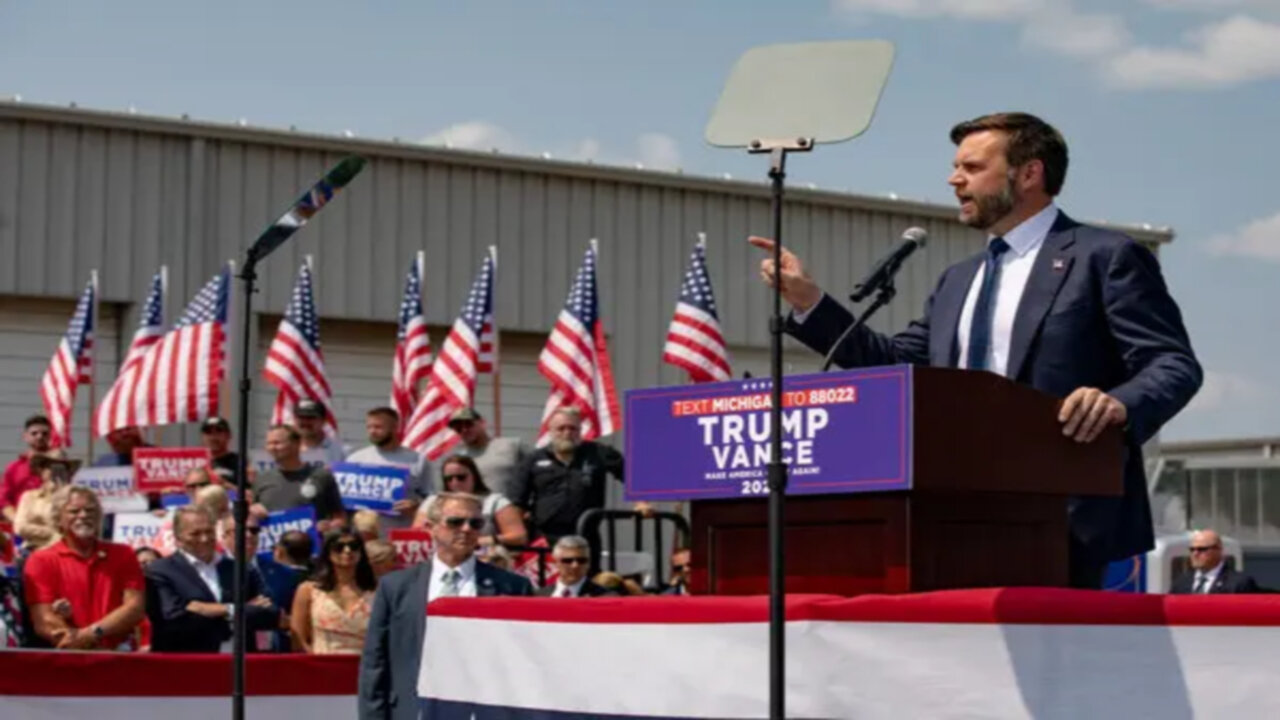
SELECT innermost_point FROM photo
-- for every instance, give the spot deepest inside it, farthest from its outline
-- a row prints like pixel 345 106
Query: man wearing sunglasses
pixel 572 556
pixel 1209 573
pixel 393 643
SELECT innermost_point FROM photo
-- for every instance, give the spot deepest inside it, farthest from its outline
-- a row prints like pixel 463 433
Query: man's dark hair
pixel 291 431
pixel 385 412
pixel 297 547
pixel 36 420
pixel 1030 138
pixel 326 578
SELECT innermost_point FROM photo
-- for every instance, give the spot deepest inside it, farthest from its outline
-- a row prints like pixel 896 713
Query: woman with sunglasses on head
pixel 331 610
pixel 503 523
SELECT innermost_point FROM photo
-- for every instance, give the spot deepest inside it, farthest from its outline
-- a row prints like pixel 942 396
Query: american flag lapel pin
pixel 1059 264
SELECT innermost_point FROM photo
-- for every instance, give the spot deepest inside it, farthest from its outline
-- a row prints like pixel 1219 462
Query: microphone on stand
pixel 912 238
pixel 880 281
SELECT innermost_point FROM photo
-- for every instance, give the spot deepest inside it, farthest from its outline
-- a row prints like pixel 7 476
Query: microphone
pixel 883 272
pixel 879 281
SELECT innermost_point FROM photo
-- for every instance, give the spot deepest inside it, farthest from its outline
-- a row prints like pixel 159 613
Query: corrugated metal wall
pixel 82 190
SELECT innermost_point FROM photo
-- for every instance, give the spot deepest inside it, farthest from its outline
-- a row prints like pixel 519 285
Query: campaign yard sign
pixel 282 521
pixel 843 431
pixel 114 487
pixel 412 546
pixel 144 529
pixel 158 468
pixel 373 487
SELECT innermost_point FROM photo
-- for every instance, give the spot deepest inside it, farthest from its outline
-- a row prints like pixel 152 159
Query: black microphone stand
pixel 240 641
pixel 884 294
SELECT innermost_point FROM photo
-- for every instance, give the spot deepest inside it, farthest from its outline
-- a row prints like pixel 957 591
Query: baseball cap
pixel 215 424
pixel 308 409
pixel 464 414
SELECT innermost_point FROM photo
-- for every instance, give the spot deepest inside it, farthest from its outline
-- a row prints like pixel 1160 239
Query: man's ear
pixel 1031 175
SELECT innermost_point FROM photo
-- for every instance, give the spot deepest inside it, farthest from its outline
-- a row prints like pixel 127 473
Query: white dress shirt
pixel 466 584
pixel 1024 242
pixel 1211 575
pixel 575 590
pixel 208 572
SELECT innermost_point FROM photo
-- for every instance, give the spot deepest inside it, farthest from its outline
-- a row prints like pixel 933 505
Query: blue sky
pixel 1171 107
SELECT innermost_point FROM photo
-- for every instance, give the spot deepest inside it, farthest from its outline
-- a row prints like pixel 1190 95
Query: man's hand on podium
pixel 798 289
pixel 1088 411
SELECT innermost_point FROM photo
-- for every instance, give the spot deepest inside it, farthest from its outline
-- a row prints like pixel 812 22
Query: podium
pixel 928 479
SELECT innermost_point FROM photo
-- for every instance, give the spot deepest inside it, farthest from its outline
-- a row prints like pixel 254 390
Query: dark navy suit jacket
pixel 1095 313
pixel 393 645
pixel 172 582
pixel 1228 582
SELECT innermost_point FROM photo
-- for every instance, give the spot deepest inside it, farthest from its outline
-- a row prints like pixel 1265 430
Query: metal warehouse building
pixel 125 193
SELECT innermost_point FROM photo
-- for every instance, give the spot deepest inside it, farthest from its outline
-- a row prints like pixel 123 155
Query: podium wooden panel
pixel 991 477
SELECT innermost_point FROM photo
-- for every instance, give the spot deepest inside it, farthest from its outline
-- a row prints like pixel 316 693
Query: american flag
pixel 453 374
pixel 71 365
pixel 150 330
pixel 178 378
pixel 694 341
pixel 295 364
pixel 576 359
pixel 412 363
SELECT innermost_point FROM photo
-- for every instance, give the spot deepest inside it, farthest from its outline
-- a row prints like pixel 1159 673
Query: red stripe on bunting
pixel 1009 606
pixel 143 675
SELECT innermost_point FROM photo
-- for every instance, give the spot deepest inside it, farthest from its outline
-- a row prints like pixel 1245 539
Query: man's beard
pixel 992 208
pixel 84 531
pixel 564 445
pixel 383 441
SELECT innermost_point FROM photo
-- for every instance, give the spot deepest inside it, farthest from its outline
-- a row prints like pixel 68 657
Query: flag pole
pixel 157 431
pixel 224 391
pixel 497 349
pixel 93 364
pixel 415 389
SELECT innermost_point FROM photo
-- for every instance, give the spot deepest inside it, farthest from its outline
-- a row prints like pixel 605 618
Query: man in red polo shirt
pixel 83 593
pixel 18 478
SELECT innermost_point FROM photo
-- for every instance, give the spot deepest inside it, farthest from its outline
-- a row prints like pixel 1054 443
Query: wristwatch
pixel 97 633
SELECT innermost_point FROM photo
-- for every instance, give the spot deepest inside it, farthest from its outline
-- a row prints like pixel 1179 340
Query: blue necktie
pixel 980 330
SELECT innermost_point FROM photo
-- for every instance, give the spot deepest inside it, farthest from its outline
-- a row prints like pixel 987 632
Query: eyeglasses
pixel 572 561
pixel 1203 549
pixel 198 485
pixel 252 529
pixel 351 545
pixel 456 523
pixel 457 476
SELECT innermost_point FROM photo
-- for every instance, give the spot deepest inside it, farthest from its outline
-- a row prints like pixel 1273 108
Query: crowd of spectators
pixel 70 587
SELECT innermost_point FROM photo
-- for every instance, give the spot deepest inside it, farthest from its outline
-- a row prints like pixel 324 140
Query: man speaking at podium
pixel 1075 311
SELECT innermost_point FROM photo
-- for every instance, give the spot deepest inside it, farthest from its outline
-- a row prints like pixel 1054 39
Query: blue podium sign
pixel 843 432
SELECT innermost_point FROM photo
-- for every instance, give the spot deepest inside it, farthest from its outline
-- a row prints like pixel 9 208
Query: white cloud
pixel 1211 5
pixel 1080 35
pixel 962 9
pixel 474 135
pixel 1259 239
pixel 1236 50
pixel 1224 390
pixel 1225 52
pixel 658 151
pixel 652 150
pixel 1054 25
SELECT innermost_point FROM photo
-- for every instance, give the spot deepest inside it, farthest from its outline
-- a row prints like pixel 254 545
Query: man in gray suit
pixel 393 645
